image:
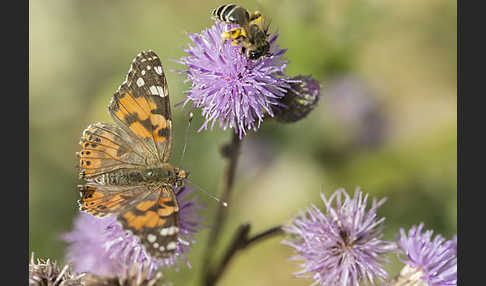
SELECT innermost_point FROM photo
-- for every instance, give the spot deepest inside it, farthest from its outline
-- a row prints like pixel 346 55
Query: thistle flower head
pixel 47 272
pixel 299 100
pixel 101 246
pixel 229 87
pixel 430 261
pixel 342 246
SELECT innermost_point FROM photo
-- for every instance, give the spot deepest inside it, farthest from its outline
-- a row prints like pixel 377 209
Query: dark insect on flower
pixel 251 33
pixel 299 100
pixel 428 261
pixel 228 86
pixel 342 246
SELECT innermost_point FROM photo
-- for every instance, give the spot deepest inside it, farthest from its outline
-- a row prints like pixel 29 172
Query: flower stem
pixel 231 151
pixel 240 241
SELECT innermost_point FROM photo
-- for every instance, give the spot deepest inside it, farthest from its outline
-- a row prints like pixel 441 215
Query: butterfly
pixel 125 165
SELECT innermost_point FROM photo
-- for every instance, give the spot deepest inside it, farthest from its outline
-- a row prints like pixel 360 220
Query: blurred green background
pixel 386 121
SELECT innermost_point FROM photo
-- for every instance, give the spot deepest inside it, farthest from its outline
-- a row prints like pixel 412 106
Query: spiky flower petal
pixel 429 261
pixel 47 273
pixel 343 245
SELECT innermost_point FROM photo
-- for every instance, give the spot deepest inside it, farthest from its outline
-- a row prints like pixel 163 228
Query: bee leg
pixel 255 17
pixel 232 34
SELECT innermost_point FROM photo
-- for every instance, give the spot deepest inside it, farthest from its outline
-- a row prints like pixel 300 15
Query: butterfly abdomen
pixel 121 178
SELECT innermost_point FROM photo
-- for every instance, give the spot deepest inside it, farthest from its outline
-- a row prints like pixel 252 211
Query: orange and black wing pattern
pixel 103 200
pixel 141 106
pixel 155 220
pixel 113 157
pixel 106 147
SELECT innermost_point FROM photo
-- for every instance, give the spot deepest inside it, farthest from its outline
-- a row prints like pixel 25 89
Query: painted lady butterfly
pixel 126 165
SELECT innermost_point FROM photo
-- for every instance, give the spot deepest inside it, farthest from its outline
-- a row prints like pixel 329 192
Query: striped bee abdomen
pixel 231 13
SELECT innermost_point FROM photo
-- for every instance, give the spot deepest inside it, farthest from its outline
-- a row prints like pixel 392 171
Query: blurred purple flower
pixel 86 246
pixel 101 246
pixel 342 246
pixel 431 261
pixel 228 86
pixel 453 243
pixel 353 103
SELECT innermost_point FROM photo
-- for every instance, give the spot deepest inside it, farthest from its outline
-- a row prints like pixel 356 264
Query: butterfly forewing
pixel 141 106
pixel 106 147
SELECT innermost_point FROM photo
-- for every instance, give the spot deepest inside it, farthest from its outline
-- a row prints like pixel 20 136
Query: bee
pixel 251 33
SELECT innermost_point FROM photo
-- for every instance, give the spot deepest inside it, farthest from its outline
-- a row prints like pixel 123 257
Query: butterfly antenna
pixel 225 204
pixel 191 115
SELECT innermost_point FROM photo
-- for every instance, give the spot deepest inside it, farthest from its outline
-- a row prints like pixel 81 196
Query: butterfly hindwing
pixel 100 200
pixel 141 105
pixel 155 220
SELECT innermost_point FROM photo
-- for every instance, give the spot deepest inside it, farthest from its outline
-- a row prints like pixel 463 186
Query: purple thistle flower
pixel 228 86
pixel 101 246
pixel 434 262
pixel 342 246
pixel 86 246
pixel 352 103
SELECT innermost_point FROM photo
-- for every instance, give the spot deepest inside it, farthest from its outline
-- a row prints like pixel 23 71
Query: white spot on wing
pixel 171 245
pixel 151 238
pixel 156 245
pixel 140 82
pixel 154 90
pixel 160 90
pixel 158 69
pixel 162 248
pixel 172 230
pixel 164 231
